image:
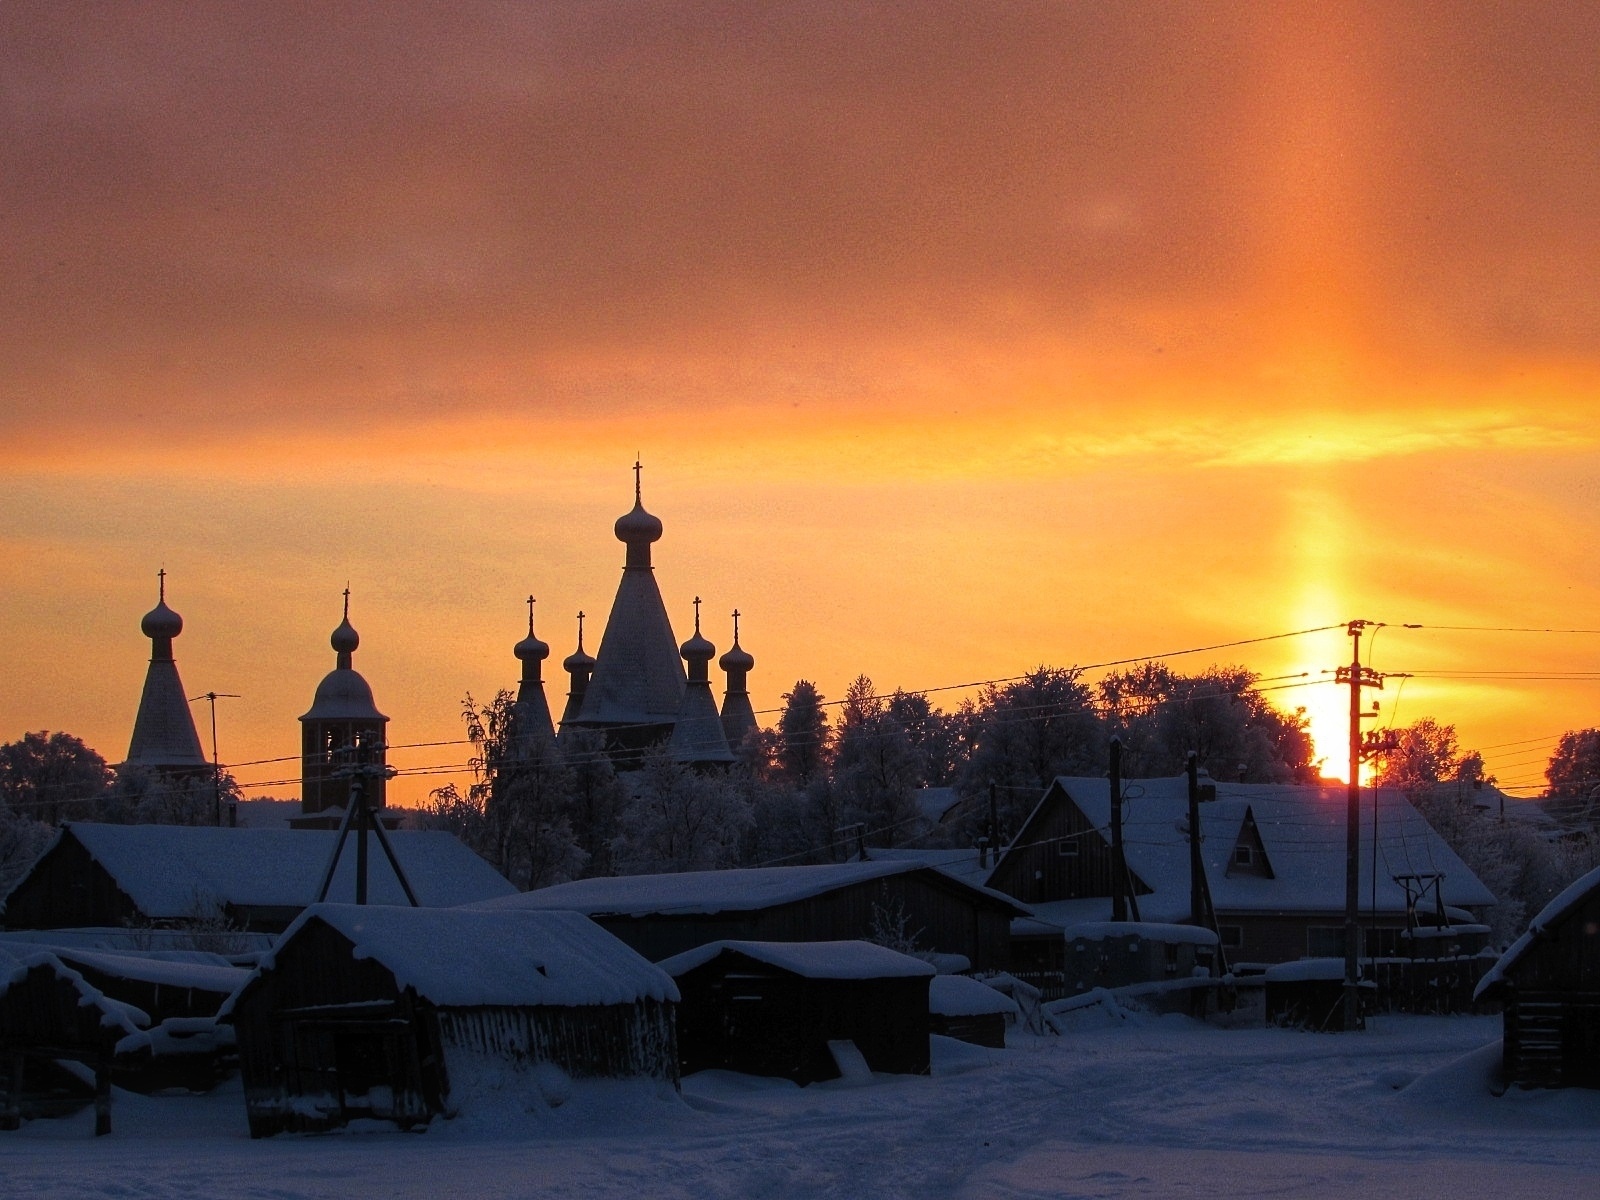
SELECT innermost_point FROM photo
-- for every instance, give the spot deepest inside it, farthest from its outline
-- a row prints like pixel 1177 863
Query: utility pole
pixel 1357 677
pixel 358 812
pixel 1119 867
pixel 1196 864
pixel 216 765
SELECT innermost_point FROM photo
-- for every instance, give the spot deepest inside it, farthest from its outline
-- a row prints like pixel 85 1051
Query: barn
pixel 1548 983
pixel 902 902
pixel 780 1008
pixel 112 876
pixel 390 1013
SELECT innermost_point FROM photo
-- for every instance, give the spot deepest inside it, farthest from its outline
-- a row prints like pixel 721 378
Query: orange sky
pixel 956 339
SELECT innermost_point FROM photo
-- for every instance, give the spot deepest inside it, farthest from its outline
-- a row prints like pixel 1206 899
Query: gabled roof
pixel 1569 898
pixel 743 890
pixel 810 960
pixel 461 957
pixel 1302 829
pixel 169 870
pixel 118 1019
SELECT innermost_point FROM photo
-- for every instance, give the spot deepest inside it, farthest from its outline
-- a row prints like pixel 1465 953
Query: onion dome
pixel 737 658
pixel 579 659
pixel 530 648
pixel 697 649
pixel 637 528
pixel 161 621
pixel 345 639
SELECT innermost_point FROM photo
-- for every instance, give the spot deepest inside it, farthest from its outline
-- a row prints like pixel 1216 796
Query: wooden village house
pixel 1273 865
pixel 390 1013
pixel 781 1008
pixel 111 876
pixel 1548 984
pixel 663 915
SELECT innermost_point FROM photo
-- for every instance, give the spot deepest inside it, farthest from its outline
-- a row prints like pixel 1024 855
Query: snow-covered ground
pixel 1120 1106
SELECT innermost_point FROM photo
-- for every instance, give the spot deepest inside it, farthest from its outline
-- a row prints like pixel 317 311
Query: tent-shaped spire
pixel 638 681
pixel 533 710
pixel 738 716
pixel 164 737
pixel 697 736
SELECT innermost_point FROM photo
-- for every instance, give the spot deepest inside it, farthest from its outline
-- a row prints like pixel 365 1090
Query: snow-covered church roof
pixel 638 677
pixel 164 736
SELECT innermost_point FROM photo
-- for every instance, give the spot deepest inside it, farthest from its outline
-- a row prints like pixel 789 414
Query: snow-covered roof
pixel 170 870
pixel 1155 931
pixel 116 1015
pixel 959 996
pixel 741 890
pixel 1302 829
pixel 1568 899
pixel 963 864
pixel 148 968
pixel 460 957
pixel 811 960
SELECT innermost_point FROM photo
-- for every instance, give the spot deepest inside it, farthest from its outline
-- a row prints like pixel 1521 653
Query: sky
pixel 954 339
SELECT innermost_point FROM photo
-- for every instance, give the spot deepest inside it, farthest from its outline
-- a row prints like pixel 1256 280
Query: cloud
pixel 230 220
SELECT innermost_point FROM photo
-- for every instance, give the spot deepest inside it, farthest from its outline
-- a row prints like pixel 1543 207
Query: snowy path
pixel 1143 1108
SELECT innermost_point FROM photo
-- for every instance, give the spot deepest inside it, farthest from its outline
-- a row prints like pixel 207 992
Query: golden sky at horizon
pixel 955 339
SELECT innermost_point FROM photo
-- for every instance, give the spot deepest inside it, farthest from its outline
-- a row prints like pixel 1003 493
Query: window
pixel 1232 936
pixel 1325 941
pixel 1067 847
pixel 1243 856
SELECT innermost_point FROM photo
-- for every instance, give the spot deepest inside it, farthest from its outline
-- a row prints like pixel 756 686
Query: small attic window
pixel 1244 856
pixel 1067 847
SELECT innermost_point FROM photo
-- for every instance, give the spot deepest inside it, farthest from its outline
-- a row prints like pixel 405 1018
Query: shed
pixel 95 875
pixel 1549 985
pixel 50 1014
pixel 969 1010
pixel 772 1008
pixel 917 904
pixel 388 1012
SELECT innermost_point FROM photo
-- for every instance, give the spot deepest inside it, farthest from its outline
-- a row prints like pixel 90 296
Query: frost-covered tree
pixel 22 840
pixel 1574 776
pixel 598 798
pixel 876 769
pixel 680 819
pixel 1161 715
pixel 803 742
pixel 516 812
pixel 1426 754
pixel 1025 733
pixel 51 777
pixel 145 797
